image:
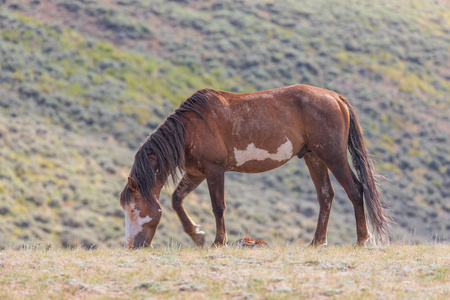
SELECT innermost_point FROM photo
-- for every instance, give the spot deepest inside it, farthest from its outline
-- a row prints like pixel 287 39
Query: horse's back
pixel 256 132
pixel 277 112
pixel 267 126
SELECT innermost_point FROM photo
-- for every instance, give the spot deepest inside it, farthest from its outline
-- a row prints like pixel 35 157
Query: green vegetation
pixel 82 83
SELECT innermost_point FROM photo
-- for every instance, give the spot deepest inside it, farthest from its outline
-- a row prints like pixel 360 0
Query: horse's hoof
pixel 360 245
pixel 199 238
pixel 218 244
pixel 317 244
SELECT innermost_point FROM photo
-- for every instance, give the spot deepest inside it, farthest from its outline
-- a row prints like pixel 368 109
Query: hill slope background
pixel 82 83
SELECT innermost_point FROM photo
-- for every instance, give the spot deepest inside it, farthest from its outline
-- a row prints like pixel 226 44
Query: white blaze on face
pixel 284 152
pixel 133 222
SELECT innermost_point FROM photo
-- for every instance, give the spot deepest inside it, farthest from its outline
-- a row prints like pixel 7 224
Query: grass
pixel 290 272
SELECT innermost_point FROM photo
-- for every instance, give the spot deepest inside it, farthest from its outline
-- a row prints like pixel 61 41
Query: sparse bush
pixel 127 28
pixel 70 6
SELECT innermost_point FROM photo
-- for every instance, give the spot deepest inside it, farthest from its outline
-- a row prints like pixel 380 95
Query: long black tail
pixel 378 219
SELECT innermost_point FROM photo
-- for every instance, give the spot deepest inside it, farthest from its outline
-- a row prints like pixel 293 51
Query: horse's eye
pixel 132 210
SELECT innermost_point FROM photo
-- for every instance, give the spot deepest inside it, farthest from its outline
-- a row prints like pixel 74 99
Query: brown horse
pixel 215 131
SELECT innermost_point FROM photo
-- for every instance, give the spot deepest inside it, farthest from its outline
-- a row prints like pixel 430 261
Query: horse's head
pixel 159 157
pixel 142 213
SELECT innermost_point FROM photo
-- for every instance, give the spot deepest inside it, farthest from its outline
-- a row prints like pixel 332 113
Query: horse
pixel 214 131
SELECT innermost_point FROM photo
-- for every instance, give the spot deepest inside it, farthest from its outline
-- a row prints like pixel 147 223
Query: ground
pixel 290 272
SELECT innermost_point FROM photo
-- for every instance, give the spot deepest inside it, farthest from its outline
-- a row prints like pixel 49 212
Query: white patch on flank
pixel 133 223
pixel 284 152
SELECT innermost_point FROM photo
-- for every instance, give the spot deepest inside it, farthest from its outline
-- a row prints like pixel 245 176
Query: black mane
pixel 167 144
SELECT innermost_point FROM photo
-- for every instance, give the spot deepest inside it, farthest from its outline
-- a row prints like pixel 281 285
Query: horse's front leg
pixel 187 185
pixel 215 177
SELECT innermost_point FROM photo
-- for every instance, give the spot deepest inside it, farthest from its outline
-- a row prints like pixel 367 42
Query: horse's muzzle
pixel 140 240
pixel 143 239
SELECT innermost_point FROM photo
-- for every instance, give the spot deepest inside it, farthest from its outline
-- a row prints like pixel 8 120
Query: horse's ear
pixel 132 184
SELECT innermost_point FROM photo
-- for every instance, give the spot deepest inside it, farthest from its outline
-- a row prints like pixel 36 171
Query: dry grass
pixel 293 272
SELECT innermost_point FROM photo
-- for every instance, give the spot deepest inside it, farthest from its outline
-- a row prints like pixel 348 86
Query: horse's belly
pixel 257 166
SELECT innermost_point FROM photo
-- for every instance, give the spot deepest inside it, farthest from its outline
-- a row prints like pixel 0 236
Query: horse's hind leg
pixel 187 185
pixel 341 170
pixel 325 195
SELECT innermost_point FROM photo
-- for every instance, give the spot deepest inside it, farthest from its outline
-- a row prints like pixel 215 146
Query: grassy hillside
pixel 292 272
pixel 72 117
pixel 82 83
